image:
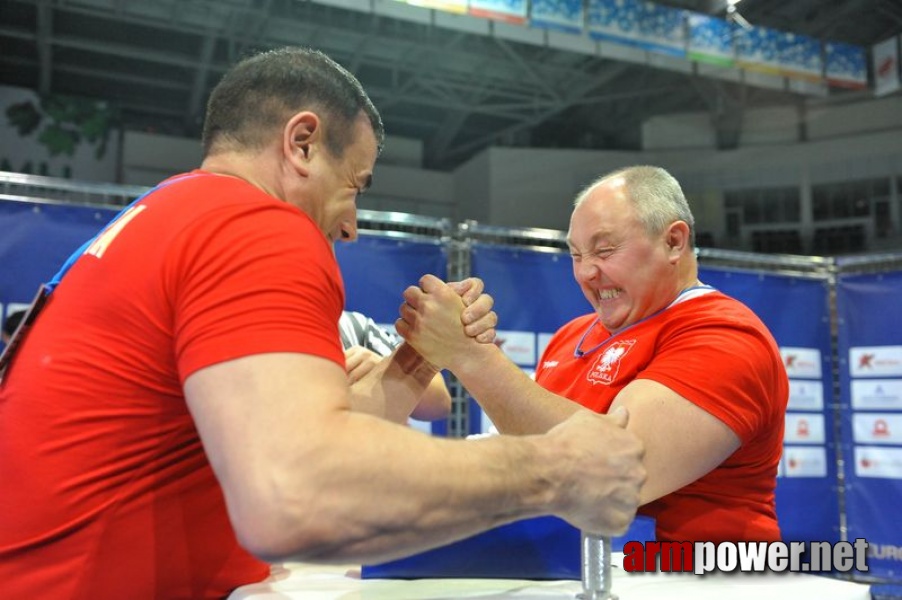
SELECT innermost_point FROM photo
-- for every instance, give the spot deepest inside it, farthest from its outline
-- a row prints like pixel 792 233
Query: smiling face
pixel 625 272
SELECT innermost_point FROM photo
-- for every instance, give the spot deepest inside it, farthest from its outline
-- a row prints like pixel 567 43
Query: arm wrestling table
pixel 318 582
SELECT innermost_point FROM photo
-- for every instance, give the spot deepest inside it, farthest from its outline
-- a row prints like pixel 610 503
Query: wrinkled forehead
pixel 606 216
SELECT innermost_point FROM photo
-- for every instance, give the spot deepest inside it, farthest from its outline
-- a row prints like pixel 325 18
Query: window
pixel 770 205
pixel 846 200
pixel 829 241
pixel 781 242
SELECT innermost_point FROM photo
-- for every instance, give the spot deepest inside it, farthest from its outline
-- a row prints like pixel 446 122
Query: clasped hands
pixel 441 320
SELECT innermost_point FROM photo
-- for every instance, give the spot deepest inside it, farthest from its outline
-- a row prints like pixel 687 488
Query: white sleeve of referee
pixel 359 330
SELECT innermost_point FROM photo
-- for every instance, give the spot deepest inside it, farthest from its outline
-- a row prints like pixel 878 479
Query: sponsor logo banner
pixel 885 56
pixel 877 394
pixel 805 395
pixel 802 362
pixel 804 428
pixel 879 462
pixel 800 461
pixel 875 361
pixel 519 346
pixel 877 428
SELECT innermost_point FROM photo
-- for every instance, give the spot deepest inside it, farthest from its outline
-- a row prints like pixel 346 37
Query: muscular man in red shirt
pixel 179 412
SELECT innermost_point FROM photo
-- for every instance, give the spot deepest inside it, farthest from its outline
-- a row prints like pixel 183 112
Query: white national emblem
pixel 607 365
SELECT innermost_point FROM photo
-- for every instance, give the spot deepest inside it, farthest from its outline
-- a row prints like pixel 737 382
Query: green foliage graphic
pixel 24 117
pixel 66 120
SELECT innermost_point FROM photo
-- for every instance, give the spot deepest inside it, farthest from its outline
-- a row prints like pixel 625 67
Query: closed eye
pixel 597 253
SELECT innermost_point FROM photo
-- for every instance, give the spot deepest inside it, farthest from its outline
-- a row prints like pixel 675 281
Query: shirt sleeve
pixel 727 369
pixel 253 279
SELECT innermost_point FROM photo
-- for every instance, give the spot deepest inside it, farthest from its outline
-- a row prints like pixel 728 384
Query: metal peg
pixel 596 568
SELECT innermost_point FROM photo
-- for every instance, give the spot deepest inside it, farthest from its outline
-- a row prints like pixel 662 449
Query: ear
pixel 677 239
pixel 300 136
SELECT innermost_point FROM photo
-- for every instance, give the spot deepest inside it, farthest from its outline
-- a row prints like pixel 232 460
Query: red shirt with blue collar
pixel 715 352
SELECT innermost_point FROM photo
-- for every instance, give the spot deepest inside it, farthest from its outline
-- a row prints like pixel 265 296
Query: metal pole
pixel 596 568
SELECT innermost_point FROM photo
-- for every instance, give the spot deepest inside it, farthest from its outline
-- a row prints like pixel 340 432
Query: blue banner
pixel 870 375
pixel 797 312
pixel 711 40
pixel 37 239
pixel 758 49
pixel 536 548
pixel 800 56
pixel 533 291
pixel 845 65
pixel 638 23
pixel 564 15
pixel 535 294
pixel 376 270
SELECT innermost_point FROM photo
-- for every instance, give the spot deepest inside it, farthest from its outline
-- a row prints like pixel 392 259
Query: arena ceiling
pixel 457 91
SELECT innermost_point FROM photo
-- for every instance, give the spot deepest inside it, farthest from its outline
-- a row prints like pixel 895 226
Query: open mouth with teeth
pixel 609 294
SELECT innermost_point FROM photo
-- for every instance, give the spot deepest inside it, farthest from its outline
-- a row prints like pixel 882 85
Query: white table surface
pixel 318 582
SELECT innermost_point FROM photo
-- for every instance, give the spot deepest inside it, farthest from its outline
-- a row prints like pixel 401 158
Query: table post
pixel 596 568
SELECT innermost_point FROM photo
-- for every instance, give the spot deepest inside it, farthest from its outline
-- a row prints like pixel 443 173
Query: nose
pixel 585 269
pixel 348 229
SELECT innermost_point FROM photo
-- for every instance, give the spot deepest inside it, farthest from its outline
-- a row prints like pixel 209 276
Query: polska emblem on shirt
pixel 607 365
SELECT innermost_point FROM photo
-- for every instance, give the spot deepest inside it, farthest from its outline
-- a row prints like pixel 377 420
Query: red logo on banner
pixel 881 428
pixel 802 428
pixel 864 361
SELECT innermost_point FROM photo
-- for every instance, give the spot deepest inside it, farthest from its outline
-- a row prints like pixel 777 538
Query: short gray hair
pixel 656 194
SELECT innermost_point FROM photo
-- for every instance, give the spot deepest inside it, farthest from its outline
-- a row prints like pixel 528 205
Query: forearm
pixel 515 403
pixel 392 500
pixel 435 402
pixel 395 386
pixel 314 480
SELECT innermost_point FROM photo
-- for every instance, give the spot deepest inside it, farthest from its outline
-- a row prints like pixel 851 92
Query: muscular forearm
pixel 435 402
pixel 314 480
pixel 395 386
pixel 515 403
pixel 389 499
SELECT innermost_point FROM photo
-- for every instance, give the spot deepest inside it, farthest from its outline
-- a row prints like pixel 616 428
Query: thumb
pixel 620 416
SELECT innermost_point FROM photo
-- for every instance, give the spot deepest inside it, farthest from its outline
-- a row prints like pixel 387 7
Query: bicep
pixel 682 441
pixel 260 414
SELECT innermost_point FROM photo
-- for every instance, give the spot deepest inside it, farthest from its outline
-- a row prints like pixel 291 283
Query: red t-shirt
pixel 713 351
pixel 107 490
